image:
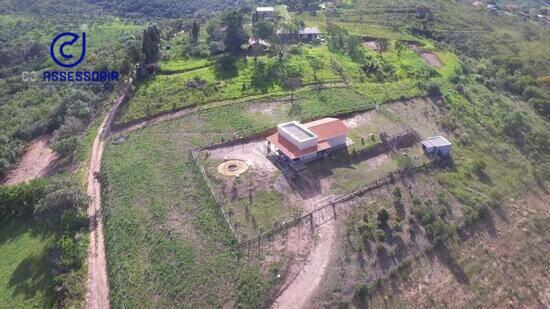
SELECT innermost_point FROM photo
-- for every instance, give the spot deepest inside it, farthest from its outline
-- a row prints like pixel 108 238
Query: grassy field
pixel 166 240
pixel 25 278
pixel 175 87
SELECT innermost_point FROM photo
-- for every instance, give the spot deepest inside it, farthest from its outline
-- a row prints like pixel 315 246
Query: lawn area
pixel 166 92
pixel 183 65
pixel 165 237
pixel 25 278
pixel 190 82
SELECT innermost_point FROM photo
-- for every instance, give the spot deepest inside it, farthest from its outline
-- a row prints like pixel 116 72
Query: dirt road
pixel 97 290
pixel 38 161
pixel 301 288
pixel 216 104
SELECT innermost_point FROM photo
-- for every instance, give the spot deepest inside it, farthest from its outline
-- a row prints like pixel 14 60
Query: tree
pixel 316 65
pixel 151 44
pixel 263 30
pixel 62 197
pixel 382 46
pixel 397 194
pixel 383 216
pixel 399 47
pixel 195 31
pixel 235 36
pixel 293 83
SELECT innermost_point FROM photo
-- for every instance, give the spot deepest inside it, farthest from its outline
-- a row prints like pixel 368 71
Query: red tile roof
pixel 288 148
pixel 325 129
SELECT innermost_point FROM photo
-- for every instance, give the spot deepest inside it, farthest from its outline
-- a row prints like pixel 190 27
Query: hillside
pixel 196 197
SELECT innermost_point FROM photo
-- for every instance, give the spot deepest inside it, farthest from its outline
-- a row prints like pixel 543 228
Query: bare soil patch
pixel 428 56
pixel 431 58
pixel 39 160
pixel 356 259
pixel 374 45
pixel 501 262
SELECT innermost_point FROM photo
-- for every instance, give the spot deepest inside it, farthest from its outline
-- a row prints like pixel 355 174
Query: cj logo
pixel 68 59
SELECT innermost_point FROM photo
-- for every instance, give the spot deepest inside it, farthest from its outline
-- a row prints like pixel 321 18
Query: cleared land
pixel 166 240
pixel 485 267
pixel 268 194
pixel 38 161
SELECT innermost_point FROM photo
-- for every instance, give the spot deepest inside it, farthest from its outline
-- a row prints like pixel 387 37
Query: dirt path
pixel 301 288
pixel 190 111
pixel 38 161
pixel 97 290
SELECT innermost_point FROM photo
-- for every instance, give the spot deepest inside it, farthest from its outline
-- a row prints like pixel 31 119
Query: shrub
pixel 62 196
pixel 361 292
pixel 396 194
pixel 20 199
pixel 478 167
pixel 383 216
pixel 433 89
pixel 397 226
pixel 380 234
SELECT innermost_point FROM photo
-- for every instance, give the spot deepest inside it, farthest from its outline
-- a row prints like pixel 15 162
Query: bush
pixel 21 199
pixel 396 194
pixel 361 292
pixel 62 198
pixel 433 89
pixel 383 216
pixel 478 167
pixel 380 234
pixel 66 147
pixel 541 105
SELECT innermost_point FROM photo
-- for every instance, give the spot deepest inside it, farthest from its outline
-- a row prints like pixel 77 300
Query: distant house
pixel 295 142
pixel 309 34
pixel 437 145
pixel 257 46
pixel 265 13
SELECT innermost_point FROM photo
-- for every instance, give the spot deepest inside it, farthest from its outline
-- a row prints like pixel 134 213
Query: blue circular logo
pixel 65 62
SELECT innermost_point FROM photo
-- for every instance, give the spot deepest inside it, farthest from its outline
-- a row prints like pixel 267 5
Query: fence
pixel 339 200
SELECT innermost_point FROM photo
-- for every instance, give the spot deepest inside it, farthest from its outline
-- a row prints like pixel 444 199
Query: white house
pixel 438 145
pixel 265 12
pixel 296 142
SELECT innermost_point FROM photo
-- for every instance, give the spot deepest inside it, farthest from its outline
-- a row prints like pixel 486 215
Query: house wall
pixel 337 141
pixel 444 150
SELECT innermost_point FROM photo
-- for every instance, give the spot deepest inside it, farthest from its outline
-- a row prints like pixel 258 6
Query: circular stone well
pixel 232 167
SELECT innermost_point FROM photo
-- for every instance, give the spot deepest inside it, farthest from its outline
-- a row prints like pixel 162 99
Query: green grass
pixel 266 207
pixel 25 278
pixel 164 93
pixel 167 92
pixel 182 65
pixel 166 240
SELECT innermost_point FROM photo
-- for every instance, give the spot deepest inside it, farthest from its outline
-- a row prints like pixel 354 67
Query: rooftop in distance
pixel 264 9
pixel 437 141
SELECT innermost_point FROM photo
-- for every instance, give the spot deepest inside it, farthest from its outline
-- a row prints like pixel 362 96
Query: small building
pixel 265 13
pixel 257 47
pixel 437 145
pixel 295 142
pixel 309 34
